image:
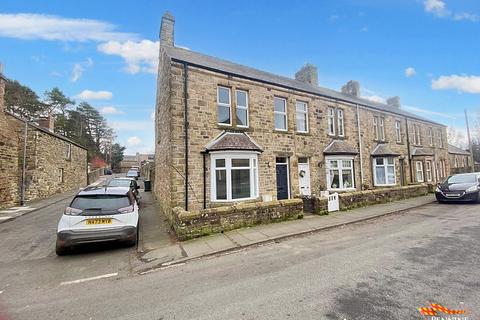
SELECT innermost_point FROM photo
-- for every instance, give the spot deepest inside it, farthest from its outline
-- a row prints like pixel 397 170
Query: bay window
pixel 340 173
pixel 224 106
pixel 280 112
pixel 234 176
pixel 384 171
pixel 419 171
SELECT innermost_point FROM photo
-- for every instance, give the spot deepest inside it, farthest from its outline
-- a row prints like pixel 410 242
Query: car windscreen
pixel 119 183
pixel 131 173
pixel 100 202
pixel 467 178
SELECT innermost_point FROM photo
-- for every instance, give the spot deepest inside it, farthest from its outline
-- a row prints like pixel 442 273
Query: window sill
pixel 281 131
pixel 301 133
pixel 341 190
pixel 385 185
pixel 233 201
pixel 380 141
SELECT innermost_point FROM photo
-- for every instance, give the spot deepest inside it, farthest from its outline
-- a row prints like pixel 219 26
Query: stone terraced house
pixel 228 133
pixel 460 160
pixel 53 163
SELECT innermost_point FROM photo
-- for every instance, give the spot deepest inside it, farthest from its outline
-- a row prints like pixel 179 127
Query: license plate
pixel 453 195
pixel 99 221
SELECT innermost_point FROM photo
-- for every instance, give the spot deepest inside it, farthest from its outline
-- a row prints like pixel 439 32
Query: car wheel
pixel 60 250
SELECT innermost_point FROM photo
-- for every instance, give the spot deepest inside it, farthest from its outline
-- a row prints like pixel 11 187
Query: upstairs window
pixel 331 121
pixel 440 138
pixel 224 106
pixel 242 108
pixel 302 116
pixel 68 153
pixel 416 135
pixel 341 129
pixel 398 131
pixel 280 112
pixel 430 136
pixel 379 128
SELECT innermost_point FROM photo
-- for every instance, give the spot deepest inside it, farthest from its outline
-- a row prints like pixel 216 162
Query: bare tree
pixel 457 138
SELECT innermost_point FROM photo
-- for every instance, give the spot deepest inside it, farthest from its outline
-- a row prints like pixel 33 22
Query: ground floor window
pixel 419 171
pixel 60 175
pixel 384 171
pixel 428 170
pixel 340 173
pixel 234 176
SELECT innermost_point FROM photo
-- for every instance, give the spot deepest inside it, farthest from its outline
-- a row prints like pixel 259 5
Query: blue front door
pixel 282 178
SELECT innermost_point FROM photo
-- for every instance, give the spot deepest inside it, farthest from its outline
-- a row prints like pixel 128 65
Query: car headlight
pixel 438 189
pixel 472 189
pixel 69 211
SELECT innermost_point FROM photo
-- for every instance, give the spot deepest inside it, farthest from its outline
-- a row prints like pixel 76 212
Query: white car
pixel 98 214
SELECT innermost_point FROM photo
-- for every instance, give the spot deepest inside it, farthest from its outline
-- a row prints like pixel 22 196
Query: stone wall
pixel 9 173
pixel 351 200
pixel 191 224
pixel 49 170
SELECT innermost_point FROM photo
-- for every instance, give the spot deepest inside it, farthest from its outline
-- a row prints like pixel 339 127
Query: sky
pixel 105 52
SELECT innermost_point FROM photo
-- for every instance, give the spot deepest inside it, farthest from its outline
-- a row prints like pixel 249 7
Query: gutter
pixel 185 125
pixel 360 147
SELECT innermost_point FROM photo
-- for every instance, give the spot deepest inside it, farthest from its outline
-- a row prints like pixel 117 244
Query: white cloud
pixel 439 9
pixel 152 115
pixel 410 72
pixel 135 126
pixel 79 68
pixel 54 28
pixel 55 74
pixel 463 83
pixel 134 141
pixel 141 56
pixel 375 98
pixel 110 110
pixel 94 95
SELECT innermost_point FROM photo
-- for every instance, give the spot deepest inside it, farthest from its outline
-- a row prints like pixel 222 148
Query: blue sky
pixel 103 52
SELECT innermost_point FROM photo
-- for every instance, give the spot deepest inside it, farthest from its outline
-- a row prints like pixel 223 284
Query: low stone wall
pixel 94 175
pixel 192 224
pixel 358 199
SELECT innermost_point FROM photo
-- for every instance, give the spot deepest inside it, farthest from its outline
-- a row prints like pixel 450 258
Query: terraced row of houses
pixel 228 133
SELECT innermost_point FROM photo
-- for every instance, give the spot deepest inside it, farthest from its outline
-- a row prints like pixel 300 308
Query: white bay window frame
pixel 419 175
pixel 341 169
pixel 228 157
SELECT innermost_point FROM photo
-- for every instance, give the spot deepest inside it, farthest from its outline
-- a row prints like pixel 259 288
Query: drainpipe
pixel 360 147
pixel 408 151
pixel 204 183
pixel 185 125
pixel 22 191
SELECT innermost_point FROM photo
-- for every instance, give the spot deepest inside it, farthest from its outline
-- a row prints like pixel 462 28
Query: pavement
pixel 158 252
pixel 383 268
pixel 31 206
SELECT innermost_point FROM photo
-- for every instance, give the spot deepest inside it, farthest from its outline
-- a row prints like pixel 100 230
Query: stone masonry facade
pixel 54 164
pixel 417 147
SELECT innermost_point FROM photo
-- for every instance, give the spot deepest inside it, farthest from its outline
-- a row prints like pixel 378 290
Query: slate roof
pixel 457 150
pixel 232 141
pixel 56 135
pixel 382 149
pixel 416 151
pixel 220 65
pixel 339 147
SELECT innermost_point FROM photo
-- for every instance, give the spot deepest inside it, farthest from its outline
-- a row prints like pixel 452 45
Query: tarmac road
pixel 380 269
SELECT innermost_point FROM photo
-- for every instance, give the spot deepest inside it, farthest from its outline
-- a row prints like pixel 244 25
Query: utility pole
pixel 469 142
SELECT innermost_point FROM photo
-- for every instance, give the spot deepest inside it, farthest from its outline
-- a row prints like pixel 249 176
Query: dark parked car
pixel 126 182
pixel 459 187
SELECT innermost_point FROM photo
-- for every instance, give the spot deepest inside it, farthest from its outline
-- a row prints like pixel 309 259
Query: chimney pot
pixel 167 29
pixel 308 74
pixel 394 102
pixel 352 88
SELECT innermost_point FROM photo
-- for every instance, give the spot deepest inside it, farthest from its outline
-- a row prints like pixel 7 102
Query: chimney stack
pixel 167 29
pixel 308 74
pixel 394 102
pixel 47 122
pixel 352 88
